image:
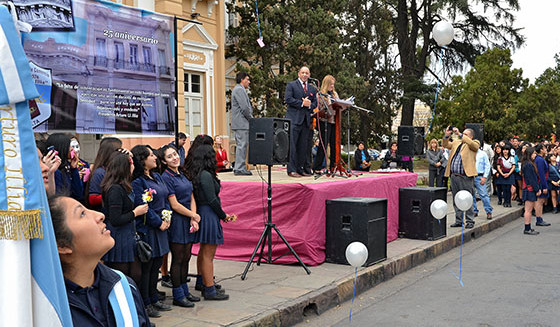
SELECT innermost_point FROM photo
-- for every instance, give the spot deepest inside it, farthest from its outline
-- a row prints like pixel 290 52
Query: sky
pixel 541 22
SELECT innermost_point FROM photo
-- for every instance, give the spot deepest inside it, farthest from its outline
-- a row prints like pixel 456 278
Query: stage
pixel 298 210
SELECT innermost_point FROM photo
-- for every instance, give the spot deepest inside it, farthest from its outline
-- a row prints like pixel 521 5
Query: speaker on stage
pixel 418 140
pixel 353 219
pixel 478 131
pixel 269 141
pixel 405 141
pixel 415 219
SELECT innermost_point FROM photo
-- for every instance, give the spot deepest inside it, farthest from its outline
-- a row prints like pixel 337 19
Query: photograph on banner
pixel 113 73
pixel 46 15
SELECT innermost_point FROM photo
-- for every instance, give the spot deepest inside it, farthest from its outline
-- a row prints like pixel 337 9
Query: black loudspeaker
pixel 269 141
pixel 405 142
pixel 415 219
pixel 478 131
pixel 356 219
pixel 418 140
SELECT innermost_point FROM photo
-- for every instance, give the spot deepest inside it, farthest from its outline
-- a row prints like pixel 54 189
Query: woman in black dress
pixel 118 205
pixel 200 166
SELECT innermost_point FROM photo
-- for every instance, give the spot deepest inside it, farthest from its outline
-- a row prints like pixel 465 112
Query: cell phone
pixel 50 148
pixel 450 128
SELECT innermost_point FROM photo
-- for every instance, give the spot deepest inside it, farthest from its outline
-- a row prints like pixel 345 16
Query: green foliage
pixel 495 94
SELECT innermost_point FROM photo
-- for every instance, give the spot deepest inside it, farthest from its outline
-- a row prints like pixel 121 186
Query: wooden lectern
pixel 339 105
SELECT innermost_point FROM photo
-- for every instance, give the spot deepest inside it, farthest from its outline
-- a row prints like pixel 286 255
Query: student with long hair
pixel 148 186
pixel 434 155
pixel 531 187
pixel 184 224
pixel 542 170
pixel 553 181
pixel 107 147
pixel 82 239
pixel 505 167
pixel 67 176
pixel 200 167
pixel 495 173
pixel 118 204
pixel 326 124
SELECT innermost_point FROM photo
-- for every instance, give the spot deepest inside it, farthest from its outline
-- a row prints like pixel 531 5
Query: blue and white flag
pixel 32 290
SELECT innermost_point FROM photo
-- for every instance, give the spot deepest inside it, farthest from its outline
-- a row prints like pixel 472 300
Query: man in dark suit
pixel 301 98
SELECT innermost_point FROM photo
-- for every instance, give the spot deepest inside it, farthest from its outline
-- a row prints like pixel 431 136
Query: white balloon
pixel 356 254
pixel 463 200
pixel 438 208
pixel 443 33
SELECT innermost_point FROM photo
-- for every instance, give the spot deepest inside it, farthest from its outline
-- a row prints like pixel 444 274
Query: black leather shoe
pixel 456 225
pixel 499 202
pixel 216 297
pixel 200 288
pixel 183 303
pixel 242 173
pixel 469 225
pixel 160 306
pixel 531 232
pixel 152 312
pixel 192 298
pixel 542 223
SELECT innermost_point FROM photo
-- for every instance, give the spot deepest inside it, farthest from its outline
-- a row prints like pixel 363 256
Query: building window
pixel 148 63
pixel 100 53
pixel 163 68
pixel 194 101
pixel 133 56
pixel 119 55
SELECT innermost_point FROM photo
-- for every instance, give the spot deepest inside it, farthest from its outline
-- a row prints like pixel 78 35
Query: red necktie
pixel 305 87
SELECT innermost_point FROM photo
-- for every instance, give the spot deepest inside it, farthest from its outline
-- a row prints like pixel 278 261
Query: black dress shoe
pixel 216 297
pixel 306 174
pixel 160 306
pixel 242 173
pixel 469 225
pixel 152 312
pixel 531 232
pixel 183 303
pixel 200 288
pixel 192 298
pixel 456 225
pixel 542 223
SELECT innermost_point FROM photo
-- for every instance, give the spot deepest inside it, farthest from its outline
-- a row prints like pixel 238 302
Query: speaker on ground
pixel 269 141
pixel 353 219
pixel 415 219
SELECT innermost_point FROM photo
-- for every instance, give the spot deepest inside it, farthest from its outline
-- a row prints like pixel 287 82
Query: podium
pixel 338 106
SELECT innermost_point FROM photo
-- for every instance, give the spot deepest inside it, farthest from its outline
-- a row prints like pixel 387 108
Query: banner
pixel 100 67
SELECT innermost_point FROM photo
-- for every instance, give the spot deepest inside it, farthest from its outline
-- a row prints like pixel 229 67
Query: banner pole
pixel 176 82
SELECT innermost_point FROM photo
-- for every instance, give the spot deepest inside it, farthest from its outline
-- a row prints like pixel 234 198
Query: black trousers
pixel 327 132
pixel 298 147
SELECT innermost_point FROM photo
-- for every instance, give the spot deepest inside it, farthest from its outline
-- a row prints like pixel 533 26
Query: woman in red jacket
pixel 221 156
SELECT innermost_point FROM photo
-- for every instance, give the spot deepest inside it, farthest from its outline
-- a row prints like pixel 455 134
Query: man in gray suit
pixel 241 112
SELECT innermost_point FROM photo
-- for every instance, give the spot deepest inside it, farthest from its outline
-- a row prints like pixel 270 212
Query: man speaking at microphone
pixel 301 98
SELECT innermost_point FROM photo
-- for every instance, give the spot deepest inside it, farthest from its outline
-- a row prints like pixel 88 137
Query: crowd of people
pixel 146 203
pixel 512 170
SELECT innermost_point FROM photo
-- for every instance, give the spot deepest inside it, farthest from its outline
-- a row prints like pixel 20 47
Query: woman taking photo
pixel 118 204
pixel 67 177
pixel 107 147
pixel 200 166
pixel 82 240
pixel 531 187
pixel 435 158
pixel 150 188
pixel 184 224
pixel 505 167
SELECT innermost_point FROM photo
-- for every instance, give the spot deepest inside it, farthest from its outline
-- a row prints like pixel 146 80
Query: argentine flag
pixel 32 291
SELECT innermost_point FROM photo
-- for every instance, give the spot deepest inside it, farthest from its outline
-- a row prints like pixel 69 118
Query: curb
pixel 327 297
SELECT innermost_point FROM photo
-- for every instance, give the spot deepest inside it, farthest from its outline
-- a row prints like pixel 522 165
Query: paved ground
pixel 510 279
pixel 279 295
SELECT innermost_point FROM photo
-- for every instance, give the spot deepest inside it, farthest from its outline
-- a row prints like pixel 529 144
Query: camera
pixel 450 127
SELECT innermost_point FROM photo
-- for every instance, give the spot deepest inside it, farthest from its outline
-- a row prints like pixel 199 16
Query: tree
pixel 474 34
pixel 491 93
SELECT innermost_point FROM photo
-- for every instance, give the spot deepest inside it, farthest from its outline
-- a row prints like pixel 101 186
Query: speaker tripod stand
pixel 266 236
